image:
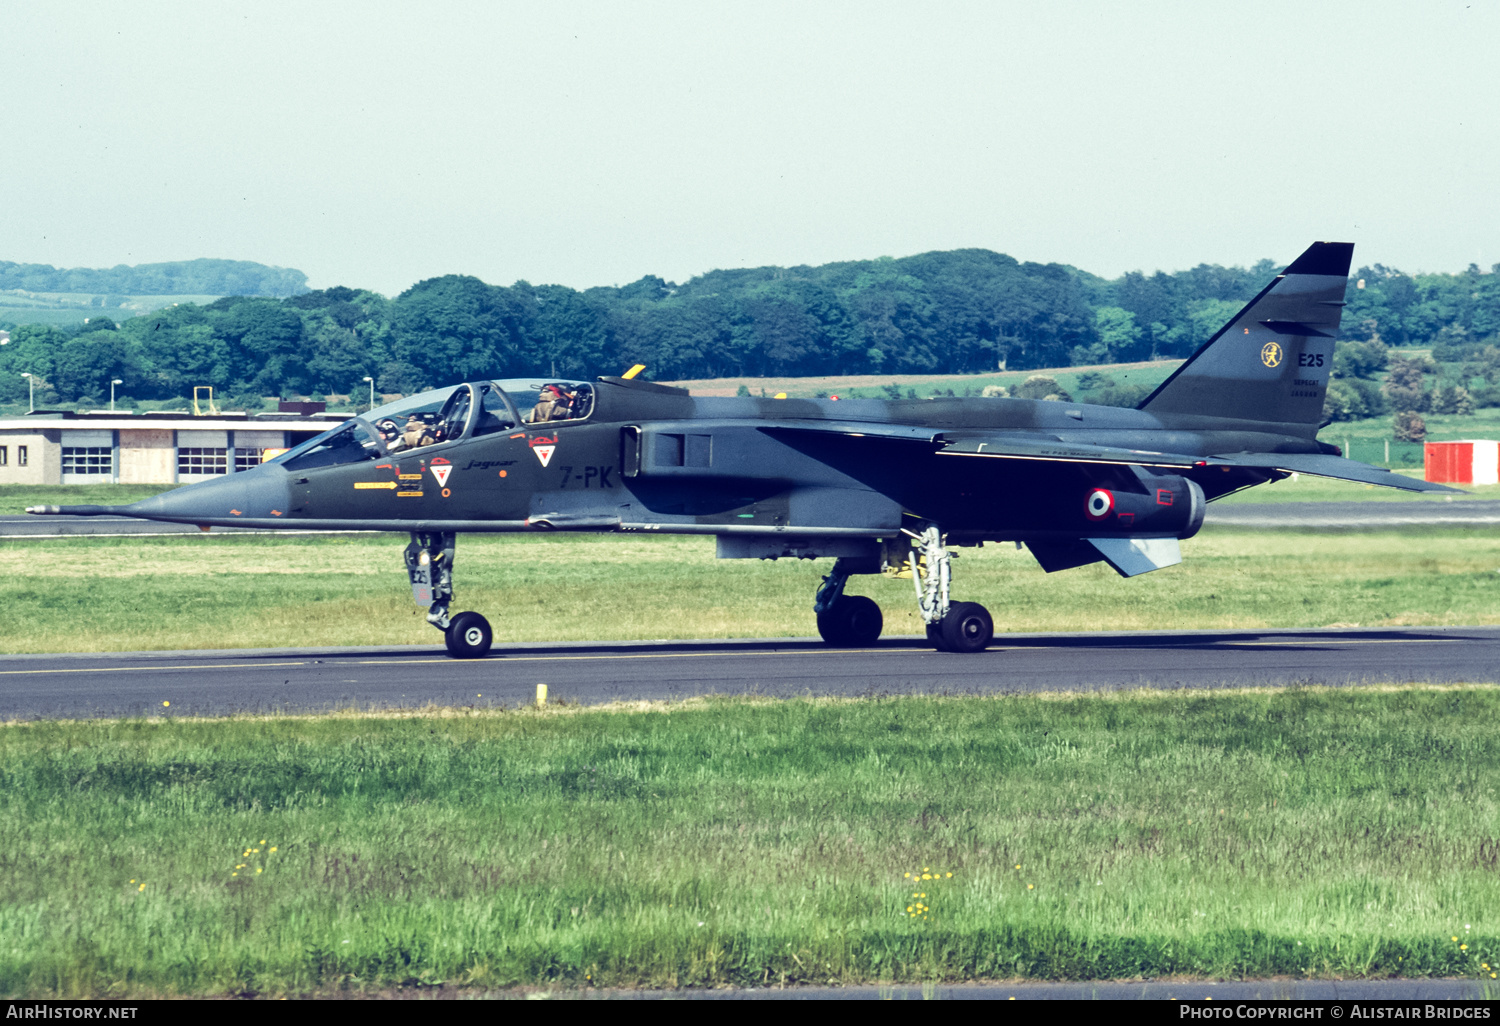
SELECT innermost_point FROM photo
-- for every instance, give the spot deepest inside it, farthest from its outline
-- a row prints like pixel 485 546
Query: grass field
pixel 15 498
pixel 216 591
pixel 1303 833
pixel 874 386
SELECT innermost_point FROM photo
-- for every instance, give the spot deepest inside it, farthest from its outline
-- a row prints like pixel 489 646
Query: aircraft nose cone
pixel 259 493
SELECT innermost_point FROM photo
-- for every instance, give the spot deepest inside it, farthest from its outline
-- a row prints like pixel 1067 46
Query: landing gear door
pixel 421 583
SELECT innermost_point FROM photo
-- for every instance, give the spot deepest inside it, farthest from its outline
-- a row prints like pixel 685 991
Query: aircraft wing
pixel 999 444
pixel 1312 464
pixel 1016 446
pixel 1322 465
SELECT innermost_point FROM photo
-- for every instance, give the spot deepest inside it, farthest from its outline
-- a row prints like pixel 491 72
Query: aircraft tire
pixel 935 637
pixel 468 636
pixel 967 628
pixel 854 620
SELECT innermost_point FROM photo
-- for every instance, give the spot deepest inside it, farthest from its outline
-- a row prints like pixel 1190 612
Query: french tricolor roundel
pixel 441 468
pixel 1099 504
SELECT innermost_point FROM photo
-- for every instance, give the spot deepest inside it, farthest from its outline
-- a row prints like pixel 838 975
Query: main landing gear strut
pixel 855 621
pixel 951 626
pixel 429 565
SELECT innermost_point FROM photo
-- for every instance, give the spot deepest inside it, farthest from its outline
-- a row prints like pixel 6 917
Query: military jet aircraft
pixel 875 485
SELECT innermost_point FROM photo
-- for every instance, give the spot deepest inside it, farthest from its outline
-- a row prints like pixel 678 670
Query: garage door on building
pixel 249 446
pixel 88 457
pixel 202 455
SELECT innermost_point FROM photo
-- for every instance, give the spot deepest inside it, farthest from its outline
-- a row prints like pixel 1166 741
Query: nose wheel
pixel 429 565
pixel 468 636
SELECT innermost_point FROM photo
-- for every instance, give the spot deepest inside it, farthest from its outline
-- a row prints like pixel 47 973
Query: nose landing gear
pixel 429 567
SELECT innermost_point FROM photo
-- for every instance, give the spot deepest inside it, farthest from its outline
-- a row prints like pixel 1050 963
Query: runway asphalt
pixel 216 682
pixel 1291 515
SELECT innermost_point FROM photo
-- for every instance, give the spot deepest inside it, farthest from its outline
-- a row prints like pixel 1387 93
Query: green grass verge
pixel 1305 832
pixel 16 498
pixel 221 591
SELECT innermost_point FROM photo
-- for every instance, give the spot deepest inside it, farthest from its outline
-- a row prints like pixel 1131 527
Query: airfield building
pixel 152 448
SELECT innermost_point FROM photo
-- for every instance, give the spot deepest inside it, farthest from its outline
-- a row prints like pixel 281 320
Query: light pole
pixel 372 390
pixel 112 384
pixel 30 392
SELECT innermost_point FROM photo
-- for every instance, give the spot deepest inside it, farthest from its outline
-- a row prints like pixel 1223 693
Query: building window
pixel 196 460
pixel 246 459
pixel 4 455
pixel 20 455
pixel 87 459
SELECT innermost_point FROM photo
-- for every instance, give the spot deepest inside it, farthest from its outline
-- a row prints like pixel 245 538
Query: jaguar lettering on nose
pixel 487 464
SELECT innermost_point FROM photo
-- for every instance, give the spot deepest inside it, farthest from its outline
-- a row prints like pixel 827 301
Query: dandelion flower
pixel 259 870
pixel 166 703
pixel 907 875
pixel 1018 865
pixel 262 840
pixel 1463 947
pixel 142 887
pixel 273 847
pixel 1455 940
pixel 950 874
pixel 133 881
pixel 234 874
pixel 926 876
pixel 908 908
pixel 1030 886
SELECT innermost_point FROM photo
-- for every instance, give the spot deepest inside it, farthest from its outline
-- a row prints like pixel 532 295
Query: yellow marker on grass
pixel 541 695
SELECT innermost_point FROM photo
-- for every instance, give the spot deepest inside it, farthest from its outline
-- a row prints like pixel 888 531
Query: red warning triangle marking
pixel 441 473
pixel 543 452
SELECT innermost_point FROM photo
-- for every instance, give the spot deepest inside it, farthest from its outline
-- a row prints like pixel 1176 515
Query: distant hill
pixel 202 277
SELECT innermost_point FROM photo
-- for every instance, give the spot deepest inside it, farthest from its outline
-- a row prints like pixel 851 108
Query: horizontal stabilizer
pixel 1336 467
pixel 1133 556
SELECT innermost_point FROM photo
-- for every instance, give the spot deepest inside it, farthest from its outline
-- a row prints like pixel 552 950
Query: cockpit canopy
pixel 441 416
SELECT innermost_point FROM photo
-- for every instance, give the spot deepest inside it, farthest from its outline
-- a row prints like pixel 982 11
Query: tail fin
pixel 1272 361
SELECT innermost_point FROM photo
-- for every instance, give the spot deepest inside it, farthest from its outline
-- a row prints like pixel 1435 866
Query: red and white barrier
pixel 1472 462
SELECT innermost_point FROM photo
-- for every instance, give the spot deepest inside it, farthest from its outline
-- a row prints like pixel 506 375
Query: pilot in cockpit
pixel 417 433
pixel 553 403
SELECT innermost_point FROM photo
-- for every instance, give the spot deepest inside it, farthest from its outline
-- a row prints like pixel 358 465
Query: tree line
pixel 204 277
pixel 961 311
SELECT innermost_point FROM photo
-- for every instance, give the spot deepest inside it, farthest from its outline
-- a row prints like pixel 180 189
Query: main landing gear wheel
pixel 468 636
pixel 951 626
pixel 935 637
pixel 966 628
pixel 853 620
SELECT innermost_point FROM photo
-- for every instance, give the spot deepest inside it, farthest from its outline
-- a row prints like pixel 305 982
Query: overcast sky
pixel 374 145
